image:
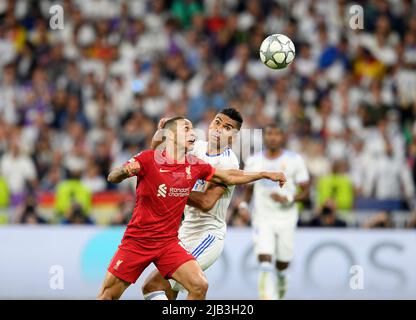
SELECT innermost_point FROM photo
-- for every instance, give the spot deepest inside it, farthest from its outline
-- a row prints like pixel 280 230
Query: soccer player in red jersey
pixel 165 181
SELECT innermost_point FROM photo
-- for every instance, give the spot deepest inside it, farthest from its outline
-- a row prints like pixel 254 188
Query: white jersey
pixel 197 221
pixel 265 208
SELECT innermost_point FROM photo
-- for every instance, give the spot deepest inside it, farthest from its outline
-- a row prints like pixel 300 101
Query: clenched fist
pixel 276 176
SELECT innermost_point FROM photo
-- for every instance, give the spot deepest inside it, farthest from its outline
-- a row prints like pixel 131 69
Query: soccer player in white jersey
pixel 203 229
pixel 275 213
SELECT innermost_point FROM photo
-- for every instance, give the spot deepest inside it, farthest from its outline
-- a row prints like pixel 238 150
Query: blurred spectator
pixel 384 139
pixel 317 163
pixel 93 92
pixel 185 10
pixel 28 213
pixel 51 179
pixel 360 165
pixel 337 186
pixel 93 180
pixel 381 43
pixel 102 158
pixel 390 178
pixel 208 98
pixel 239 218
pixel 4 193
pixel 412 157
pixel 412 222
pixel 72 113
pixel 380 220
pixel 9 94
pixel 124 212
pixel 327 217
pixel 17 168
pixel 75 214
pixel 72 191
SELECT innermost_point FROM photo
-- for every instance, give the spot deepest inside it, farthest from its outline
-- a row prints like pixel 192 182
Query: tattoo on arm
pixel 118 174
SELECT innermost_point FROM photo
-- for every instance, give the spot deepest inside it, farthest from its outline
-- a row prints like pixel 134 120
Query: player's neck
pixel 275 153
pixel 176 153
pixel 214 150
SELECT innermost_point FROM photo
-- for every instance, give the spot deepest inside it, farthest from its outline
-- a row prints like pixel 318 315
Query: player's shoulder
pixel 144 156
pixel 232 157
pixel 291 154
pixel 141 155
pixel 229 160
pixel 146 153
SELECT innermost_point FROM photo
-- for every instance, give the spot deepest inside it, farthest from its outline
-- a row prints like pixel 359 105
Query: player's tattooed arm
pixel 121 173
pixel 207 199
pixel 234 176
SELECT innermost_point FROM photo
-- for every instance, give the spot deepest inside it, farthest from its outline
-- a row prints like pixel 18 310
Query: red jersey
pixel 161 194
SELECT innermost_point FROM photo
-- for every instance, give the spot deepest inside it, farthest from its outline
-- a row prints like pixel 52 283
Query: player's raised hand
pixel 162 122
pixel 158 136
pixel 279 177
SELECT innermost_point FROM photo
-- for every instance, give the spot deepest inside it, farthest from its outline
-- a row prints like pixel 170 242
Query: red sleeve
pixel 206 171
pixel 141 158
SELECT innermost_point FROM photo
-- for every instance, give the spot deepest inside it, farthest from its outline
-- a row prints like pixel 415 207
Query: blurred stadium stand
pixel 83 99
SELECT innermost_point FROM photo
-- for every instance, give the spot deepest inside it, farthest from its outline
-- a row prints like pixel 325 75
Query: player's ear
pixel 169 134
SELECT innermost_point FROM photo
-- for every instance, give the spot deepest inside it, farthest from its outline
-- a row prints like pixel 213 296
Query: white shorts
pixel 275 240
pixel 206 249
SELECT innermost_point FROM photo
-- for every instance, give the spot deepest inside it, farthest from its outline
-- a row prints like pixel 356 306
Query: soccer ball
pixel 277 51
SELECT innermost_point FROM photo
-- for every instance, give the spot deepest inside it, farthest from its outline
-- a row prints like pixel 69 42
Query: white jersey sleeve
pixel 196 221
pixel 264 207
pixel 301 173
pixel 248 165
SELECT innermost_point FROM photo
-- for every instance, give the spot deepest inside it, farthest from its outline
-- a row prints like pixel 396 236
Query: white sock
pixel 282 272
pixel 281 282
pixel 155 295
pixel 266 283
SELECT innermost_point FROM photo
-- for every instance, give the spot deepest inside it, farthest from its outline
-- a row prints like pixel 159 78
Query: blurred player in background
pixel 275 213
pixel 204 225
pixel 165 179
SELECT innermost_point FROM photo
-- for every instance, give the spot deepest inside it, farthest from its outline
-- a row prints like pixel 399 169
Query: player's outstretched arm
pixel 233 176
pixel 206 200
pixel 121 173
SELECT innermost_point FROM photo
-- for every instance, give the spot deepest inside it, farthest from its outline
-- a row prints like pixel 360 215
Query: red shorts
pixel 133 256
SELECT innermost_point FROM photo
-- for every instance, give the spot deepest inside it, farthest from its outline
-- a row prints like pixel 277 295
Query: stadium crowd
pixel 76 101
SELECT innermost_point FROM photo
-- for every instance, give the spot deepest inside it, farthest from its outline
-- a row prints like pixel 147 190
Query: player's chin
pixel 190 145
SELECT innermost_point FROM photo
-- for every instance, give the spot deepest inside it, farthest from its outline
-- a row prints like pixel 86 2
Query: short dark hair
pixel 171 123
pixel 233 114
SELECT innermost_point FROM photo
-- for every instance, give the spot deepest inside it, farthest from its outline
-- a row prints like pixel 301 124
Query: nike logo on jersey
pixel 161 170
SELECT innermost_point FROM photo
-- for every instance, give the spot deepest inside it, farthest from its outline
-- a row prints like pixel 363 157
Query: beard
pixel 273 148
